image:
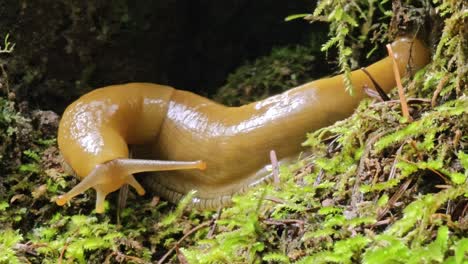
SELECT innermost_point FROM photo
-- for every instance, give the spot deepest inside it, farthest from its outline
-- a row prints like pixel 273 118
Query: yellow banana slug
pixel 186 133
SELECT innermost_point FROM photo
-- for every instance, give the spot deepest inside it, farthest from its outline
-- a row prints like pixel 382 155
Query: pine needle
pixel 401 94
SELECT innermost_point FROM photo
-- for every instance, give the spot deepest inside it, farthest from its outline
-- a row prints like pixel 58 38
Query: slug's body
pixel 168 124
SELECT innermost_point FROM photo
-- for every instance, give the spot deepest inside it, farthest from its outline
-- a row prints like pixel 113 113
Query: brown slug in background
pixel 191 132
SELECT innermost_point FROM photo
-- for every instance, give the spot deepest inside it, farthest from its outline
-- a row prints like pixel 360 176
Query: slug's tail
pixel 110 176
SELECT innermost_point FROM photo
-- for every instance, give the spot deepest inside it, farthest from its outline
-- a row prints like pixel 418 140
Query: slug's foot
pixel 110 176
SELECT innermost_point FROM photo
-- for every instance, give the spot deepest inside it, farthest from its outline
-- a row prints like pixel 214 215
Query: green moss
pixel 71 236
pixel 351 26
pixel 9 240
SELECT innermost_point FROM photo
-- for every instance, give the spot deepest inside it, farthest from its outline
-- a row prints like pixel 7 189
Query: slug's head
pixel 105 178
pixel 110 176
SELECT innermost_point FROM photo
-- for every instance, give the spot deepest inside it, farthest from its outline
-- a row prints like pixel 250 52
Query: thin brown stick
pixel 181 257
pixel 401 93
pixel 120 256
pixel 383 222
pixel 62 252
pixel 65 246
pixel 438 173
pixel 319 178
pixel 214 220
pixel 274 167
pixel 414 146
pixel 29 247
pixel 438 89
pixel 410 100
pixel 297 222
pixel 122 202
pixel 443 186
pixel 465 210
pixel 446 217
pixel 391 202
pixel 356 196
pixel 393 169
pixel 274 199
pixel 284 221
pixel 195 229
pixel 457 137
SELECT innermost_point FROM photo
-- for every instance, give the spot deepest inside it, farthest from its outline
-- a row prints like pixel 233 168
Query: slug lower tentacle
pixel 110 176
pixel 234 142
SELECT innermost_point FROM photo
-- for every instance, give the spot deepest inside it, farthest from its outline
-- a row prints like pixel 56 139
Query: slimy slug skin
pixel 185 142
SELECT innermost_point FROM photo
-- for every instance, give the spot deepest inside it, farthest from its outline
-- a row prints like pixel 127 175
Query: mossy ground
pixel 376 188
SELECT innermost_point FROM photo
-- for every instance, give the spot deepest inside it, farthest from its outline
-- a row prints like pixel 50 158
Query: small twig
pixel 355 196
pixel 122 202
pixel 274 199
pixel 123 196
pixel 445 217
pixel 65 246
pixel 457 137
pixel 274 167
pixel 443 186
pixel 409 100
pixel 181 257
pixel 29 247
pixel 395 161
pixel 438 89
pixel 383 222
pixel 396 196
pixel 378 169
pixel 193 230
pixel 442 176
pixel 303 171
pixel 120 256
pixel 319 178
pixel 401 93
pixel 465 210
pixel 284 221
pixel 62 252
pixel 299 223
pixel 331 148
pixel 416 149
pixel 378 88
pixel 214 221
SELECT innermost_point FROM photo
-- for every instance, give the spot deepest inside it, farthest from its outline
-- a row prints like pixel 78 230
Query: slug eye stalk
pixel 110 176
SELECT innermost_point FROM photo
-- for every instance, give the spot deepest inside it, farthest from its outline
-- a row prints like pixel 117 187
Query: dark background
pixel 65 48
